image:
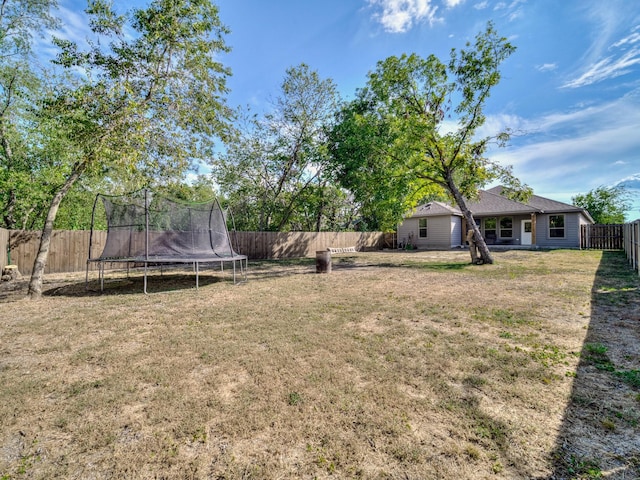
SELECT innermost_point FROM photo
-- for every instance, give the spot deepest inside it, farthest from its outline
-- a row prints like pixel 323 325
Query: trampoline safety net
pixel 145 227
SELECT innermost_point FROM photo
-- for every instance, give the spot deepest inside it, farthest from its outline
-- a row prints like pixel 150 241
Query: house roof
pixel 492 202
pixel 435 209
pixel 546 205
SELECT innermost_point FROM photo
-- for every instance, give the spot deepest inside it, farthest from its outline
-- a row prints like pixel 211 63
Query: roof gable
pixel 435 209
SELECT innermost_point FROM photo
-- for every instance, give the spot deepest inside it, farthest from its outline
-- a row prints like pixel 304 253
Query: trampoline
pixel 147 229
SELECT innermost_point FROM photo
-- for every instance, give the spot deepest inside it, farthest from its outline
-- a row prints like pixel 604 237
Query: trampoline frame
pixel 149 259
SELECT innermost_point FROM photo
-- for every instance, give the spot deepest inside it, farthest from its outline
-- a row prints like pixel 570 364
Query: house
pixel 540 222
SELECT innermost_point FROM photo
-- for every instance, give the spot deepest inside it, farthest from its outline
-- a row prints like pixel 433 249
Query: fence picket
pixel 632 244
pixel 602 237
pixel 70 248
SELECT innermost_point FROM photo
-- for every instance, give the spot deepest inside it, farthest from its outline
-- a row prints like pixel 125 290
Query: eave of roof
pixel 491 202
pixel 435 209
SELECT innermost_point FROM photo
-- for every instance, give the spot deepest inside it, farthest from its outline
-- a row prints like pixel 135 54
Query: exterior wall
pixel 442 232
pixel 456 232
pixel 572 222
pixel 516 227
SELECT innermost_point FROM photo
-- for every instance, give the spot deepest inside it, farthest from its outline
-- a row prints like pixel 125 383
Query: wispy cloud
pixel 481 5
pixel 547 67
pixel 577 150
pixel 398 16
pixel 614 49
pixel 606 68
pixel 632 181
pixel 74 28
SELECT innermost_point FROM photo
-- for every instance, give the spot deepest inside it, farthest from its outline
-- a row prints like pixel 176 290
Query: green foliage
pixel 272 172
pixel 392 145
pixel 25 169
pixel 606 205
pixel 583 468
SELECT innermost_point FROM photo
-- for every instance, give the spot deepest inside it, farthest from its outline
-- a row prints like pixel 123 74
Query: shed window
pixel 422 228
pixel 506 227
pixel 556 226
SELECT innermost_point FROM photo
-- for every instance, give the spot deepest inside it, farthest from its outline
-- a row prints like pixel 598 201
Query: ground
pixel 411 365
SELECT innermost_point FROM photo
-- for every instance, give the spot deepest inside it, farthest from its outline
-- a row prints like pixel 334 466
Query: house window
pixel 506 227
pixel 490 225
pixel 556 226
pixel 422 228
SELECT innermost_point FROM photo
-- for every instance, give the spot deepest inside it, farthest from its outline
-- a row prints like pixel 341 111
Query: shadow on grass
pixel 600 435
pixel 121 284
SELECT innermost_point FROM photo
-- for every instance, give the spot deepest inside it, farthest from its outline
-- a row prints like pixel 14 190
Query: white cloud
pixel 575 151
pixel 632 181
pixel 481 5
pixel 633 38
pixel 398 16
pixel 453 3
pixel 547 67
pixel 606 68
pixel 614 49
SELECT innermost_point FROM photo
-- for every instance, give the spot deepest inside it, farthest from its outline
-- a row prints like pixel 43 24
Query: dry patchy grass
pixel 394 366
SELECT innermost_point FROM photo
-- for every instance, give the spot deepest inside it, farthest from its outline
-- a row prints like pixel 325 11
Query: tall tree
pixel 270 169
pixel 149 99
pixel 22 169
pixel 605 204
pixel 412 132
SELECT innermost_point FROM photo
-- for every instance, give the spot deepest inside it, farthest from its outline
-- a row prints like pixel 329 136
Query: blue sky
pixel 571 89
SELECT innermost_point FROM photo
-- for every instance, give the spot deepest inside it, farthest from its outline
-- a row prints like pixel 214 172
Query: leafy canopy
pixel 412 131
pixel 606 205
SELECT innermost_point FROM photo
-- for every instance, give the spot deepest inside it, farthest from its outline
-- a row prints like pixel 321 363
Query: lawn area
pixel 396 365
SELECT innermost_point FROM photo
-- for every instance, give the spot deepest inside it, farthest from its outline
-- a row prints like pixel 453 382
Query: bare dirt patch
pixel 396 365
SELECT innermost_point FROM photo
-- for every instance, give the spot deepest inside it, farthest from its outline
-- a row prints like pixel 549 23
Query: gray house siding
pixel 571 239
pixel 442 232
pixel 456 232
pixel 516 229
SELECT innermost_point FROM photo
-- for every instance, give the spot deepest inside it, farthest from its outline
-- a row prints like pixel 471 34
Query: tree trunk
pixel 478 239
pixel 35 283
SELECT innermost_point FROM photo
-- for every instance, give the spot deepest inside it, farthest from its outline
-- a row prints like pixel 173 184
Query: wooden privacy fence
pixel 632 243
pixel 4 244
pixel 602 237
pixel 70 248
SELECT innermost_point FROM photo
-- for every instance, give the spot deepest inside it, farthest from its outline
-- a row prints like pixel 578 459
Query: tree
pixel 402 138
pixel 148 101
pixel 606 205
pixel 23 171
pixel 272 172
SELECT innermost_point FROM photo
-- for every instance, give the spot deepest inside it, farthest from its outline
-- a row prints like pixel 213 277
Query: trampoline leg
pixel 101 275
pixel 197 273
pixel 86 278
pixel 145 278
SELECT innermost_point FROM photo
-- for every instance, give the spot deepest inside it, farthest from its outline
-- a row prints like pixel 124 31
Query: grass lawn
pixel 396 365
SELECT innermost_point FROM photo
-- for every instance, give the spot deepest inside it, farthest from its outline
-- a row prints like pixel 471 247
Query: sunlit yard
pixel 395 365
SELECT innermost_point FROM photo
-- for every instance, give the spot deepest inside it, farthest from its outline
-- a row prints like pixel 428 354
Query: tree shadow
pixel 600 434
pixel 123 283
